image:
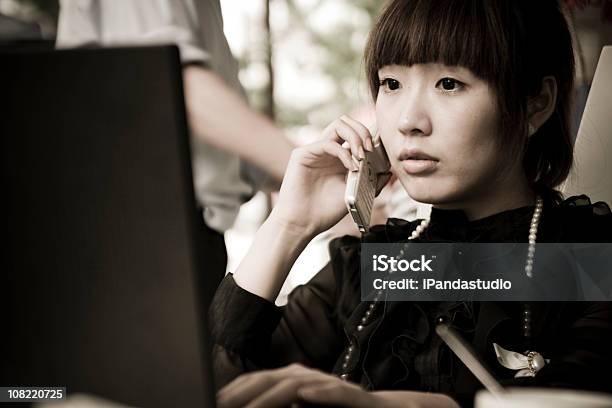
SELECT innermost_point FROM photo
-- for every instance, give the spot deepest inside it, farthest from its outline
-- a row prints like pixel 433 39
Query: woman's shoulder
pixel 578 219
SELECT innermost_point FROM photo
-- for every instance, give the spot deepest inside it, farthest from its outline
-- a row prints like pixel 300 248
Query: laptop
pixel 593 149
pixel 105 249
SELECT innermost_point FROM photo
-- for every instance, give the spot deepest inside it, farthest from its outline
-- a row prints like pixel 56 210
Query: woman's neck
pixel 507 195
pixel 482 210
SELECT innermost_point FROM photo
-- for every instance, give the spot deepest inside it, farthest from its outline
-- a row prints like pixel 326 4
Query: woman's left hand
pixel 293 384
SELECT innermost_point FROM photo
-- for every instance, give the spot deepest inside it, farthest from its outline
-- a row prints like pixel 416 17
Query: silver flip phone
pixel 361 185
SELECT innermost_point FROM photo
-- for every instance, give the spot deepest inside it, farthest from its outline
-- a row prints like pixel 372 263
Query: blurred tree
pixel 303 61
pixel 341 42
pixel 268 107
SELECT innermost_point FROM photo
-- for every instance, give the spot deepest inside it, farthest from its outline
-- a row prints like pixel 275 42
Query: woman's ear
pixel 542 106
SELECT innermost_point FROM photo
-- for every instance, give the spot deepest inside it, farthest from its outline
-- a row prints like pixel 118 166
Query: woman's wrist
pixel 275 248
pixel 294 230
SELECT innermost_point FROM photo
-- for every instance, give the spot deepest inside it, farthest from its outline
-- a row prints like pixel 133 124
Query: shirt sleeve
pixel 78 24
pixel 133 22
pixel 251 333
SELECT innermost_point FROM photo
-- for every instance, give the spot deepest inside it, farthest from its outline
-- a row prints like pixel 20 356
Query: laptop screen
pixel 104 256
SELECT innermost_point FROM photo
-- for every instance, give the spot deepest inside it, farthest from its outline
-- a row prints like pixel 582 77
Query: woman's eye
pixel 449 84
pixel 390 84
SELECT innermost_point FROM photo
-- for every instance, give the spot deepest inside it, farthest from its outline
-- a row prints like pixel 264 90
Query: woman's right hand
pixel 311 198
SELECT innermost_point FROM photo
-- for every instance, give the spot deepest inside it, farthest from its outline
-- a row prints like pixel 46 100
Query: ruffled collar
pixel 506 226
pixel 454 226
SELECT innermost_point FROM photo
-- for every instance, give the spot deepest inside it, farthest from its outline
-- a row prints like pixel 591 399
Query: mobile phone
pixel 361 184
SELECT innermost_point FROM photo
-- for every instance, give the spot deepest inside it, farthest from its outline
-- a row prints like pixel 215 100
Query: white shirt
pixel 196 27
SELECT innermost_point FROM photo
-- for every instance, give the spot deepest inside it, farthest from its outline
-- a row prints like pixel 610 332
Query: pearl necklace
pixel 533 231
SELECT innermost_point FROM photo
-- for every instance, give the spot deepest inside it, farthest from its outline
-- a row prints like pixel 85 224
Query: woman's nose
pixel 414 116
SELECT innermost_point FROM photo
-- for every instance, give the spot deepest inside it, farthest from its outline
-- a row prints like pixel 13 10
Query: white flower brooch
pixel 527 365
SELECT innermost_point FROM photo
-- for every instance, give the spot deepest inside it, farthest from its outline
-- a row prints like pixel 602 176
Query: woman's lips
pixel 415 161
pixel 418 166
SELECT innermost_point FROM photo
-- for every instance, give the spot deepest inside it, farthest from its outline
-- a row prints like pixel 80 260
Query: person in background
pixel 225 130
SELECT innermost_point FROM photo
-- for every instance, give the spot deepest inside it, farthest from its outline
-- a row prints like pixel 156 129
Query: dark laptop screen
pixel 104 237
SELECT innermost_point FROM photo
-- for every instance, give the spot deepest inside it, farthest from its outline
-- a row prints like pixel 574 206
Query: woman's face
pixel 440 127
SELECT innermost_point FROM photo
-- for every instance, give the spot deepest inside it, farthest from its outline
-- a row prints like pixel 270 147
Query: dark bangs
pixel 510 44
pixel 450 32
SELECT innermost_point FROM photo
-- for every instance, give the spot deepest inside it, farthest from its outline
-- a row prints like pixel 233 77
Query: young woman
pixel 472 104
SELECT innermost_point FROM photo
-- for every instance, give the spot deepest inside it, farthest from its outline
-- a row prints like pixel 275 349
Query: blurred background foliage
pixel 338 34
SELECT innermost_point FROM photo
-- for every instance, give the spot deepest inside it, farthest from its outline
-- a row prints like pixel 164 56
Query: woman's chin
pixel 430 196
pixel 419 190
pixel 424 197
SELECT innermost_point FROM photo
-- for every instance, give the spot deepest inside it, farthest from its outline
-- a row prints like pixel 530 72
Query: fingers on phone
pixel 343 154
pixel 342 131
pixel 362 131
pixel 346 133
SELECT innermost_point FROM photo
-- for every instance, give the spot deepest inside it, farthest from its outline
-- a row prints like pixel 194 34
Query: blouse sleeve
pixel 251 333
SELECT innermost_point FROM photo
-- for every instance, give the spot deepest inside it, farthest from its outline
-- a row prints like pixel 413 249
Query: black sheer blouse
pixel 398 349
